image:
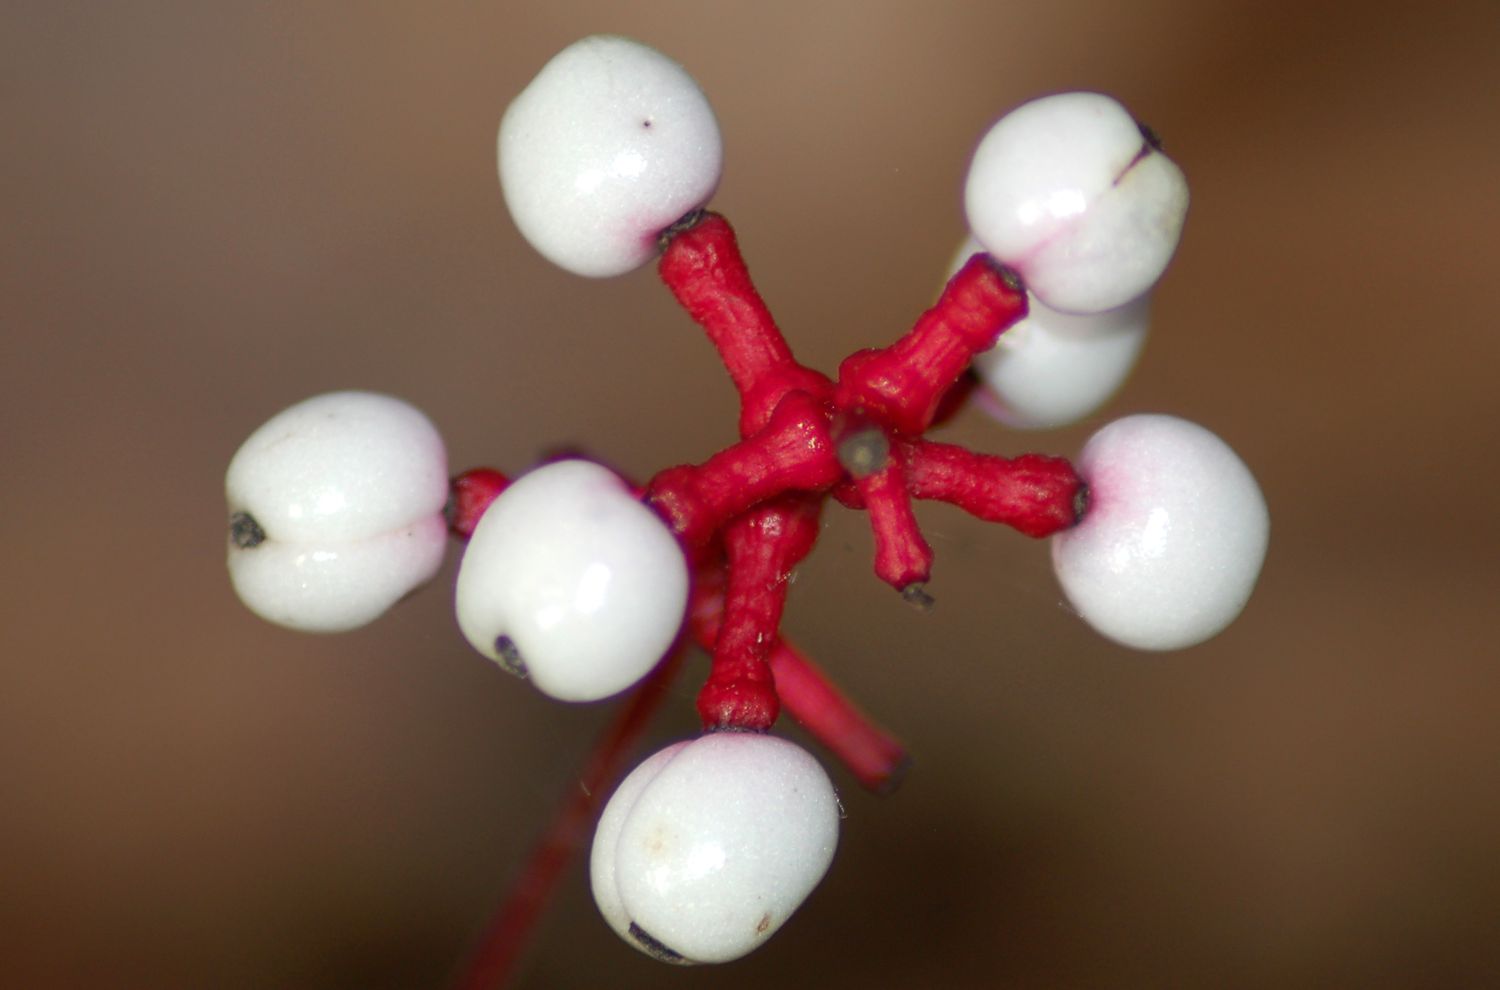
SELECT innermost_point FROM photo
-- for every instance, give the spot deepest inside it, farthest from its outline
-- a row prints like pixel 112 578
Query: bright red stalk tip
pixel 469 495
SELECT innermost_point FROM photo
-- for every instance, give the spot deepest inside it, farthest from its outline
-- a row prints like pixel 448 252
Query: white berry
pixel 607 839
pixel 1050 368
pixel 709 846
pixel 336 510
pixel 1173 538
pixel 571 581
pixel 608 146
pixel 1073 194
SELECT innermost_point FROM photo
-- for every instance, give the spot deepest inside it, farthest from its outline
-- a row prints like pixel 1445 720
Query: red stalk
pixel 510 928
pixel 793 453
pixel 469 494
pixel 874 756
pixel 762 547
pixel 758 503
pixel 903 385
pixel 704 269
pixel 903 558
pixel 1034 494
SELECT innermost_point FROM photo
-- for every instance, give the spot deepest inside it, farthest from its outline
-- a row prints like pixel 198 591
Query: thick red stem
pixel 762 548
pixel 903 385
pixel 871 754
pixel 509 930
pixel 793 453
pixel 1035 494
pixel 469 494
pixel 903 558
pixel 875 758
pixel 703 267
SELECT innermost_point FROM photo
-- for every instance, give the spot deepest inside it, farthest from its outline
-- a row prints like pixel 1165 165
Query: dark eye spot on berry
pixel 1080 503
pixel 654 948
pixel 1009 277
pixel 1140 156
pixel 646 124
pixel 1149 143
pixel 245 532
pixel 510 656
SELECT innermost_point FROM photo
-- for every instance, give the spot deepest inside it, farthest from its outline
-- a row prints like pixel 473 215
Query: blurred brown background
pixel 214 210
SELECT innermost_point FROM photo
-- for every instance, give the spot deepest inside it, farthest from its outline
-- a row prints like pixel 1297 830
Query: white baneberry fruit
pixel 569 580
pixel 1075 195
pixel 1173 537
pixel 607 147
pixel 336 510
pixel 607 840
pixel 709 846
pixel 1050 368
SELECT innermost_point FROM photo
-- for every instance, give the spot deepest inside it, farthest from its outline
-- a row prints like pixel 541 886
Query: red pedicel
pixel 748 515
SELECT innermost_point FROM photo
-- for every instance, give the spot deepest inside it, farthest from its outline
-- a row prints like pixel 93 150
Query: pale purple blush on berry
pixel 609 145
pixel 1173 538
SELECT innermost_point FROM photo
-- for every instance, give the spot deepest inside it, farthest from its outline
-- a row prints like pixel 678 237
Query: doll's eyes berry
pixel 570 580
pixel 1052 369
pixel 1173 539
pixel 335 510
pixel 1075 195
pixel 608 146
pixel 709 846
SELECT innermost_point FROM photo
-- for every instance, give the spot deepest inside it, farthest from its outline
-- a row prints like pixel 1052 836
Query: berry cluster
pixel 583 582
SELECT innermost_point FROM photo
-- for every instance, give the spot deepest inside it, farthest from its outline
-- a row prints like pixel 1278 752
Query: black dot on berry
pixel 654 947
pixel 245 532
pixel 1080 503
pixel 510 656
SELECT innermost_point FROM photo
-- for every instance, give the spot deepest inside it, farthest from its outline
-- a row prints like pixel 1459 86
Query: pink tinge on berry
pixel 709 846
pixel 1172 541
pixel 609 145
pixel 1076 195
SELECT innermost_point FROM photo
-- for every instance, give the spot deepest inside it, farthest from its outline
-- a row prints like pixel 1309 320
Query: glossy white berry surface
pixel 709 846
pixel 1050 368
pixel 336 510
pixel 1172 541
pixel 608 146
pixel 1068 191
pixel 570 580
pixel 607 843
